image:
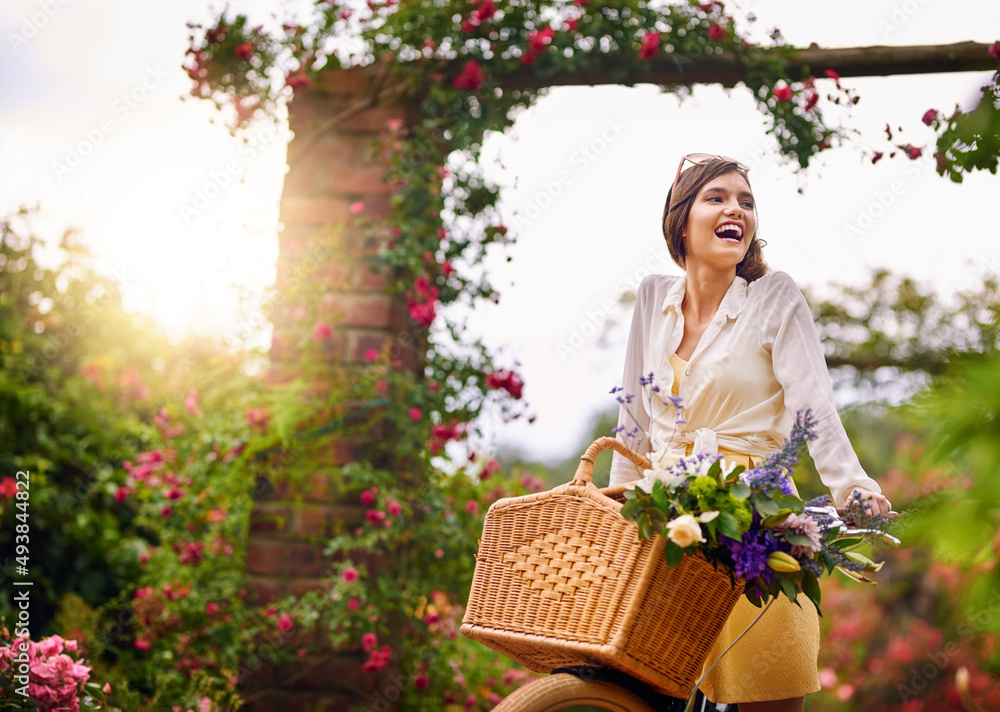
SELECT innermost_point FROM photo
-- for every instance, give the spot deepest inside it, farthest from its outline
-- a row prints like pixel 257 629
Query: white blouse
pixel 758 363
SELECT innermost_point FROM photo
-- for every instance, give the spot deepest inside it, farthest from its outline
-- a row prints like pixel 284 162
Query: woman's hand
pixel 871 503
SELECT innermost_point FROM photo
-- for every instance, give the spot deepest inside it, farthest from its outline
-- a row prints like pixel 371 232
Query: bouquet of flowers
pixel 45 676
pixel 750 522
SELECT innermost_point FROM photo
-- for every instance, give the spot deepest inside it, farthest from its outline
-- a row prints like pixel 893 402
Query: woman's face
pixel 721 223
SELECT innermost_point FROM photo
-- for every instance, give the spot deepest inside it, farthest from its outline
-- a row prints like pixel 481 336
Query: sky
pixel 94 131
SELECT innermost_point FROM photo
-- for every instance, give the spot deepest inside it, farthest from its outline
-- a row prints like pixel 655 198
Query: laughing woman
pixel 737 344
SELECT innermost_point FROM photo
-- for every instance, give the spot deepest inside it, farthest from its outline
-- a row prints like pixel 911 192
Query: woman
pixel 737 344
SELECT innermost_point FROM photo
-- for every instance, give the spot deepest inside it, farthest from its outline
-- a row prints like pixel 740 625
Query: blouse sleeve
pixel 633 417
pixel 800 368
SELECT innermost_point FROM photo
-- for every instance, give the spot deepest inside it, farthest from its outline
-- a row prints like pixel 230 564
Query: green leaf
pixel 810 587
pixel 645 526
pixel 735 474
pixel 789 501
pixel 797 538
pixel 752 596
pixel 630 510
pixel 764 504
pixel 728 526
pixel 673 554
pixel 846 542
pixel 789 588
pixel 774 520
pixel 715 470
pixel 740 490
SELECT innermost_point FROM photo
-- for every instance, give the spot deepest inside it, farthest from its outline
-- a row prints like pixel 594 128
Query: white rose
pixel 685 531
pixel 663 459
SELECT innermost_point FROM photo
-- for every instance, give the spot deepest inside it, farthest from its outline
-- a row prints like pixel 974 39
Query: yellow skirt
pixel 776 659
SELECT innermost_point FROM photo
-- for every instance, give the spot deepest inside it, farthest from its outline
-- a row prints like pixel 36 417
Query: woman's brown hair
pixel 678 207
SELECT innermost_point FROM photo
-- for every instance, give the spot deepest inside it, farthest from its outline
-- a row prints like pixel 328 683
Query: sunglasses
pixel 699 159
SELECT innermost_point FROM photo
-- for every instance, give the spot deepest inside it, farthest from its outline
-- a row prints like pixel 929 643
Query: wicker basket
pixel 563 579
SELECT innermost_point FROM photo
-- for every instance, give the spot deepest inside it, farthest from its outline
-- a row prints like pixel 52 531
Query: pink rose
pixel 350 575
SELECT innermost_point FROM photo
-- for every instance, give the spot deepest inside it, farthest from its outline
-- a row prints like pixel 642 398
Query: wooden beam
pixel 728 69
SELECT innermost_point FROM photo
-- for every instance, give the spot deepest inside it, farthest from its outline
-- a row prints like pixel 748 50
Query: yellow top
pixel 776 659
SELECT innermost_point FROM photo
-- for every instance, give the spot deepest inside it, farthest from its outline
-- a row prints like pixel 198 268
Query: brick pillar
pixel 326 277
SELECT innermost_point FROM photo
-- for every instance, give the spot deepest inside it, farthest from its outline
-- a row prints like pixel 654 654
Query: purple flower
pixel 646 380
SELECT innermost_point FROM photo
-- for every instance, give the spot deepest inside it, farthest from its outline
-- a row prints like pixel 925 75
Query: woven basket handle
pixel 585 472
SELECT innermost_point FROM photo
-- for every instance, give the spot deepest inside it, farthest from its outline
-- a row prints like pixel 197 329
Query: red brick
pixel 335 703
pixel 358 180
pixel 264 590
pixel 326 520
pixel 375 119
pixel 271 700
pixel 270 519
pixel 299 586
pixel 315 210
pixel 371 310
pixel 361 341
pixel 320 672
pixel 266 557
pixel 369 278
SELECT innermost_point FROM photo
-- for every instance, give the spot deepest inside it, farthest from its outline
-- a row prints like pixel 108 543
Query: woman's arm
pixel 633 417
pixel 800 367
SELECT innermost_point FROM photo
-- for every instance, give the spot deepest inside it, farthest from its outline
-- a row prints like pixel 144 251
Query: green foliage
pixel 970 141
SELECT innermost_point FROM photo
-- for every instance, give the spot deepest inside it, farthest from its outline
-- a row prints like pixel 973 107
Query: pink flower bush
pixel 55 680
pixel 8 487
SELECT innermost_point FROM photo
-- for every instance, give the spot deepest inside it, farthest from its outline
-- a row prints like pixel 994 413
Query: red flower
pixel 472 506
pixel 166 511
pixel 446 269
pixel 783 93
pixel 811 100
pixel 467 26
pixel 368 641
pixel 994 51
pixel 506 380
pixel 572 24
pixel 650 45
pixel 375 516
pixel 322 331
pixel 484 12
pixel 395 509
pixel 421 681
pixel 528 58
pixel 911 151
pixel 244 51
pixel 707 6
pixel 298 80
pixel 8 487
pixel 415 414
pixel 716 31
pixel 141 644
pixel 581 3
pixel 352 604
pixel 371 355
pixel 471 77
pixel 367 498
pixel 211 608
pixel 930 116
pixel 350 575
pixel 285 623
pixel 422 313
pixel 539 41
pixel 834 76
pixel 120 494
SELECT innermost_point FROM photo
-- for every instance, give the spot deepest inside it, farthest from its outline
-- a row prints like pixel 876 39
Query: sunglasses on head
pixel 700 159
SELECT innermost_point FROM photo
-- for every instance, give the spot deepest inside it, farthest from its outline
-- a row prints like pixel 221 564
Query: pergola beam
pixel 728 69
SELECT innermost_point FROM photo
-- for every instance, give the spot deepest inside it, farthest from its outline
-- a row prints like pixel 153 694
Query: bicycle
pixel 562 585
